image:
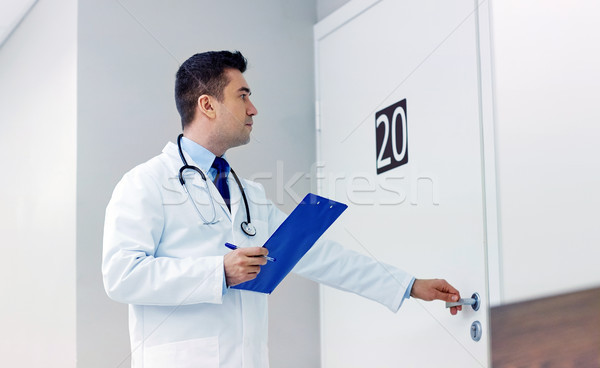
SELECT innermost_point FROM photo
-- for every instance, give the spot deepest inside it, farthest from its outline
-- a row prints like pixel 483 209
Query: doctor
pixel 169 218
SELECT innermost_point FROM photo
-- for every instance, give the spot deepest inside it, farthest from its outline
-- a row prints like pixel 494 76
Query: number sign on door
pixel 391 137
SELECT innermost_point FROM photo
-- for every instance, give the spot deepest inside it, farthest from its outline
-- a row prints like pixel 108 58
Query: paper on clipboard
pixel 293 238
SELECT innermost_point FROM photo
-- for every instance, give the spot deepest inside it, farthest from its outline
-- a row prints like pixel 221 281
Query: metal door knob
pixel 473 301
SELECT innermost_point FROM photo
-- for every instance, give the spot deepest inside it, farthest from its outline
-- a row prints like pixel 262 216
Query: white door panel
pixel 426 216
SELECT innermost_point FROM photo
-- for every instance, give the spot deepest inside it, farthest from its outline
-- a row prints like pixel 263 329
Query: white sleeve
pixel 132 231
pixel 329 263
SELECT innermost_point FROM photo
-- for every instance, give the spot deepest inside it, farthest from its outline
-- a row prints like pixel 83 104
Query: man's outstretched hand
pixel 436 289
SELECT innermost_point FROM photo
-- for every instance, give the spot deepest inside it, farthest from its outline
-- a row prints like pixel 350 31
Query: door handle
pixel 473 301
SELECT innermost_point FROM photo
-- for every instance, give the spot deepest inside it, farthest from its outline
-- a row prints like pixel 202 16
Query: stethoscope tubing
pixel 246 226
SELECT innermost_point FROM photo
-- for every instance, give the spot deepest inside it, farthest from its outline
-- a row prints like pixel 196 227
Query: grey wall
pixel 37 190
pixel 128 52
pixel 326 7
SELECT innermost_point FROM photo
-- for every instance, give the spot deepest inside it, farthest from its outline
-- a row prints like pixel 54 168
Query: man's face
pixel 235 112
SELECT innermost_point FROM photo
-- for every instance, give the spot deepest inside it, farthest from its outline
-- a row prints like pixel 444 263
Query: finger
pixel 441 295
pixel 254 251
pixel 447 293
pixel 256 261
pixel 443 285
pixel 253 270
pixel 259 261
pixel 453 311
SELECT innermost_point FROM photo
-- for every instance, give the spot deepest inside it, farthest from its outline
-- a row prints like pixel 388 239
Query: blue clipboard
pixel 293 238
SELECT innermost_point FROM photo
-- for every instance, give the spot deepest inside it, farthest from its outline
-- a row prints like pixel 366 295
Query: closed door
pixel 399 139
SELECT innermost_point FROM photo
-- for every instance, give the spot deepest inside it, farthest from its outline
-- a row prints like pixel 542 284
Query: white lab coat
pixel 161 260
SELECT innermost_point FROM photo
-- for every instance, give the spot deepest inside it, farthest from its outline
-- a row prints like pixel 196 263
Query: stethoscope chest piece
pixel 248 228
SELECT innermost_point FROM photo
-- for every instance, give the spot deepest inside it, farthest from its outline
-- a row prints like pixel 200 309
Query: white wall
pixel 128 56
pixel 547 79
pixel 37 190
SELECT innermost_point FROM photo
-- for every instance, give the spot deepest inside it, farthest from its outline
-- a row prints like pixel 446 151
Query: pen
pixel 234 247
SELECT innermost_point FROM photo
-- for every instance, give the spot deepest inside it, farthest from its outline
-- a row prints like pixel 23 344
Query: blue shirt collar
pixel 201 156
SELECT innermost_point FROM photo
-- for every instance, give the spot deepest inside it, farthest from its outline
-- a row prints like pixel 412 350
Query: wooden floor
pixel 561 331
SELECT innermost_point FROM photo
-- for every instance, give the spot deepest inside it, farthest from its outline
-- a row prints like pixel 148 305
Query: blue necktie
pixel 222 168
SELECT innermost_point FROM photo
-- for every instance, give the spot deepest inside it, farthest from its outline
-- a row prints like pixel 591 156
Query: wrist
pixel 411 287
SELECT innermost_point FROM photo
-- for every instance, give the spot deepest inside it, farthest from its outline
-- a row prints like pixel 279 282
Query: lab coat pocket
pixel 195 353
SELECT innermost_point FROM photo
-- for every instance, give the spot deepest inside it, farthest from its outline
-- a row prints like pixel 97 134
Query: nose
pixel 251 109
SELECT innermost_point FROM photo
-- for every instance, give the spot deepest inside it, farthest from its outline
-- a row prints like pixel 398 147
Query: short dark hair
pixel 203 74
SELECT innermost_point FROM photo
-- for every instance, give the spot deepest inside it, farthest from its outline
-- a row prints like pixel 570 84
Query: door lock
pixel 476 331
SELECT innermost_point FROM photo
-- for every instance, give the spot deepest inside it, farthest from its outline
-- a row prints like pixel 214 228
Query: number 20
pixel 398 156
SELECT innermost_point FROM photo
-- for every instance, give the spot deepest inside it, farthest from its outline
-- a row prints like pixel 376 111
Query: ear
pixel 206 107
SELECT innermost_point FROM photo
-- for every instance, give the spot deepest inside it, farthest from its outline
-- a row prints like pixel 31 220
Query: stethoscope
pixel 246 226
